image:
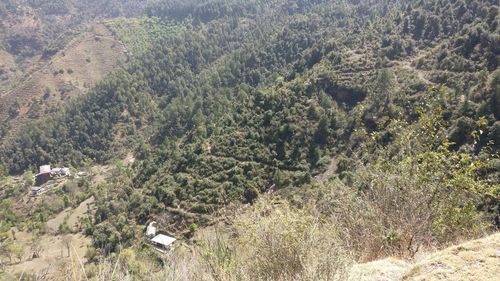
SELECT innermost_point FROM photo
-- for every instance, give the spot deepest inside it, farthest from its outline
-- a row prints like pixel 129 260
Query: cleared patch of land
pixel 56 252
pixel 72 216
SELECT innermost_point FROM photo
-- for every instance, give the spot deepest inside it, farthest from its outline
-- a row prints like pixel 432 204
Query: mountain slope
pixel 224 101
pixel 35 35
pixel 85 60
pixel 473 260
pixel 312 65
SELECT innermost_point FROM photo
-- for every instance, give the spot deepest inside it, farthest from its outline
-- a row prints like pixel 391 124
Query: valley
pixel 273 140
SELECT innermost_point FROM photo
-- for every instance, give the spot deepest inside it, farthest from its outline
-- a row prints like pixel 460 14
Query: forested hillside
pixel 51 51
pixel 389 107
pixel 32 28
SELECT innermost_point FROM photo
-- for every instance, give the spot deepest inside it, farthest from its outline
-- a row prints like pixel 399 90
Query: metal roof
pixel 45 169
pixel 163 239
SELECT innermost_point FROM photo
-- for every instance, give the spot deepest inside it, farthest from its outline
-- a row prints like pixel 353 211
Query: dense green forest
pixel 225 100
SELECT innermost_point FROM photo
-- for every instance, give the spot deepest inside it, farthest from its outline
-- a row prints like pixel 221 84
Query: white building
pixel 151 230
pixel 60 172
pixel 163 243
pixel 45 169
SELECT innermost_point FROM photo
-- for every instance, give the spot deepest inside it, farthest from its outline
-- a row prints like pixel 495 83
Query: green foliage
pixel 51 34
pixel 224 100
pixel 11 250
pixel 140 35
pixel 192 228
pixel 64 228
pixel 3 173
pixel 416 169
pixel 110 238
pixel 7 213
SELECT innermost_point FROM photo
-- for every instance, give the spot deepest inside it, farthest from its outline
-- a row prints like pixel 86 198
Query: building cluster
pixel 160 242
pixel 45 175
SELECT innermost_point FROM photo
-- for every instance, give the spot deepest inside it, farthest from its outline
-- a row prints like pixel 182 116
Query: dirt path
pixel 330 171
pixel 130 159
pixel 421 74
pixel 408 64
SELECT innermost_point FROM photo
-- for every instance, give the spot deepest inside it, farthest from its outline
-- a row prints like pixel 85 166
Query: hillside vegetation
pixel 51 51
pixel 33 31
pixel 67 74
pixel 374 123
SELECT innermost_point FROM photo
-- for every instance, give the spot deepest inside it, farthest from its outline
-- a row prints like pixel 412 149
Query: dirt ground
pixel 54 254
pixel 57 251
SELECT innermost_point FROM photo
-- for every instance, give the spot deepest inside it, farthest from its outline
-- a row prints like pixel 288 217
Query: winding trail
pixel 330 171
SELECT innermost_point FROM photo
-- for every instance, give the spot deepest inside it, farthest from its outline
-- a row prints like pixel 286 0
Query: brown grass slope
pixel 473 260
pixel 57 251
pixel 69 73
pixel 8 69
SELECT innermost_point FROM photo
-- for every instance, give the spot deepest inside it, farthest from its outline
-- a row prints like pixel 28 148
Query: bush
pixel 64 228
pixel 402 207
pixel 276 242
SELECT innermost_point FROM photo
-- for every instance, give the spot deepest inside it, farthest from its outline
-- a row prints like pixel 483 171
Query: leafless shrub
pixel 276 242
pixel 396 214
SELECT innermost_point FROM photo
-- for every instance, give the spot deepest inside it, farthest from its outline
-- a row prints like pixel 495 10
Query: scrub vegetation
pixel 283 139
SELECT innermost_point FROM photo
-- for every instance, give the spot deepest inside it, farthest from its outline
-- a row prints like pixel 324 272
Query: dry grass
pixel 381 270
pixel 284 243
pixel 56 252
pixel 83 62
pixel 474 260
pixel 273 241
pixel 8 70
pixel 269 241
pixel 6 59
pixel 53 255
pixel 393 217
pixel 70 215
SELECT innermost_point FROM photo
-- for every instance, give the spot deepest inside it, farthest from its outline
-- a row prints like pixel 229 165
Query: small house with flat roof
pixel 163 243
